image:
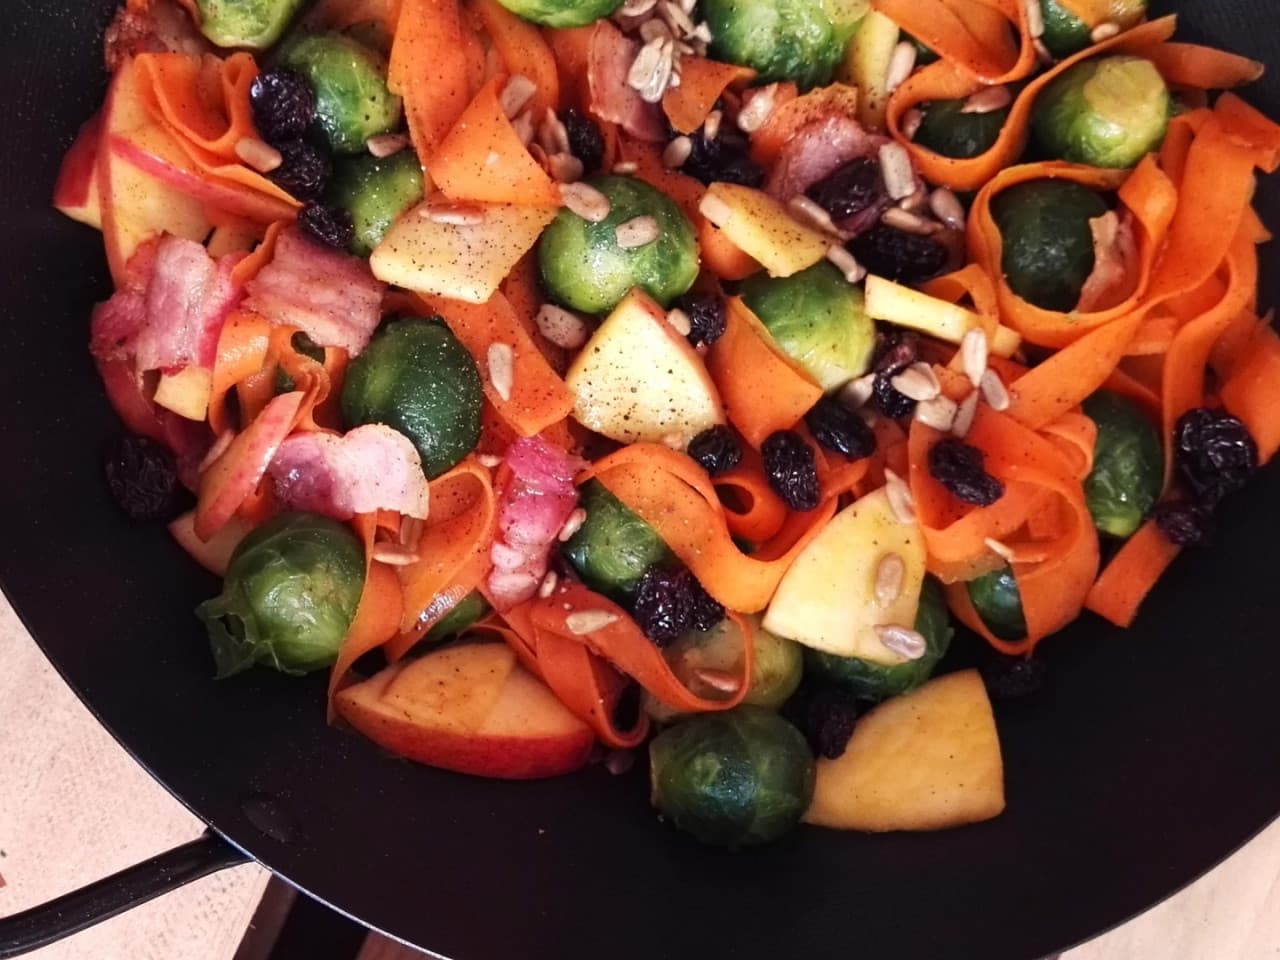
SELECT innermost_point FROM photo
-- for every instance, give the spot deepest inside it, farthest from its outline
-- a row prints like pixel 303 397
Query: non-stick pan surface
pixel 1149 756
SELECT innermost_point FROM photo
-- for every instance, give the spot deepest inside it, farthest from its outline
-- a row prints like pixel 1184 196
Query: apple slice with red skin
pixel 76 191
pixel 213 554
pixel 437 711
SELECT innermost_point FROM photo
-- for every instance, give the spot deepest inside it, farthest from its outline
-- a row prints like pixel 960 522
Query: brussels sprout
pixel 376 192
pixel 877 681
pixel 465 614
pixel 948 130
pixel 1065 33
pixel 1048 246
pixel 255 24
pixel 350 81
pixel 1109 112
pixel 563 13
pixel 417 378
pixel 775 668
pixel 732 779
pixel 613 547
pixel 800 40
pixel 996 599
pixel 585 269
pixel 289 596
pixel 818 319
pixel 1128 465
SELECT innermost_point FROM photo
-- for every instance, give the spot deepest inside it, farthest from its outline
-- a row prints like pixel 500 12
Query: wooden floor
pixel 74 807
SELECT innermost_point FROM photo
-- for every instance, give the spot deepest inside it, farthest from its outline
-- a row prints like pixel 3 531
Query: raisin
pixel 585 140
pixel 898 255
pixel 1213 453
pixel 1010 678
pixel 1185 524
pixel 142 476
pixel 706 313
pixel 791 470
pixel 283 105
pixel 826 715
pixel 716 450
pixel 330 225
pixel 888 400
pixel 304 170
pixel 840 429
pixel 723 160
pixel 853 188
pixel 706 611
pixel 958 466
pixel 895 351
pixel 670 601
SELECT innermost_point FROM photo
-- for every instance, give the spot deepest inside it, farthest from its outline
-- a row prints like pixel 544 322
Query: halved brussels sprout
pixel 613 547
pixel 996 599
pixel 254 24
pixel 288 598
pixel 1047 243
pixel 1128 465
pixel 376 192
pixel 350 82
pixel 878 681
pixel 466 613
pixel 417 378
pixel 818 319
pixel 1065 33
pixel 800 40
pixel 732 779
pixel 563 13
pixel 1109 112
pixel 585 268
pixel 946 129
pixel 776 666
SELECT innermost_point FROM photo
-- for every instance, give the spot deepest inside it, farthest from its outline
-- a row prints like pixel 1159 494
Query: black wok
pixel 1149 756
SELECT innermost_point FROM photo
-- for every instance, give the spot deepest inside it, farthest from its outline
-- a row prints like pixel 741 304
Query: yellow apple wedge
pixel 895 303
pixel 761 227
pixel 638 379
pixel 927 760
pixel 186 392
pixel 213 554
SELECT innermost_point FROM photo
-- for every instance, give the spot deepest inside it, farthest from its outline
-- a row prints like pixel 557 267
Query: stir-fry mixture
pixel 569 375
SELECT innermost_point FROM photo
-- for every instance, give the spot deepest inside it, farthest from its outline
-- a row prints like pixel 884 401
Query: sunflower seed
pixel 655 29
pixel 516 94
pixel 572 525
pixel 258 154
pixel 454 214
pixel 552 134
pixel 946 207
pixel 1035 17
pixel 715 209
pixel 720 680
pixel 855 394
pixel 757 108
pixel 1042 52
pixel 502 368
pixel 566 330
pixel 910 123
pixel 394 554
pixel 650 74
pixel 711 126
pixel 1104 31
pixel 1001 550
pixel 677 152
pixel 386 144
pixel 917 201
pixel 564 167
pixel 918 382
pixel 901 63
pixel 909 222
pixel 524 127
pixel 589 621
pixel 585 200
pixel 637 232
pixel 890 572
pixel 702 34
pixel 488 460
pixel 625 168
pixel 901 502
pixel 903 641
pixel 812 214
pixel 548 585
pixel 680 22
pixel 411 531
pixel 895 167
pixel 846 263
pixel 939 413
pixel 965 413
pixel 994 391
pixel 618 762
pixel 680 322
pixel 988 100
pixel 973 355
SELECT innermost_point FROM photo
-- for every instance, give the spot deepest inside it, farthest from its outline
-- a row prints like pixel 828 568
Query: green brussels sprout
pixel 350 81
pixel 253 24
pixel 1047 243
pixel 947 130
pixel 585 269
pixel 800 40
pixel 563 13
pixel 289 596
pixel 417 378
pixel 732 779
pixel 1128 465
pixel 877 681
pixel 376 192
pixel 818 319
pixel 1065 33
pixel 997 600
pixel 1109 112
pixel 465 614
pixel 775 668
pixel 613 547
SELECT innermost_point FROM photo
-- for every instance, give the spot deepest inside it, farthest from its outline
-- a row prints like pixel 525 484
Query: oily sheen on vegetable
pixel 571 378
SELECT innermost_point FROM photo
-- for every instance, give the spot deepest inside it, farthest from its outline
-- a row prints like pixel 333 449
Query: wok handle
pixel 102 899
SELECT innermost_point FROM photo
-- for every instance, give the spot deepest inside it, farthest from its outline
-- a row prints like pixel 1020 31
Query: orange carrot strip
pixel 1249 392
pixel 752 510
pixel 962 607
pixel 428 69
pixel 721 256
pixel 242 351
pixel 967 34
pixel 338 15
pixel 682 188
pixel 1204 68
pixel 1131 574
pixel 1251 126
pixel 702 82
pixel 571 49
pixel 523 50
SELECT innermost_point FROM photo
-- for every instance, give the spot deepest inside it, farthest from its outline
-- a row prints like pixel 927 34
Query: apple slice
pixel 76 191
pixel 761 227
pixel 525 734
pixel 927 760
pixel 901 305
pixel 827 598
pixel 866 66
pixel 186 392
pixel 213 554
pixel 462 260
pixel 638 379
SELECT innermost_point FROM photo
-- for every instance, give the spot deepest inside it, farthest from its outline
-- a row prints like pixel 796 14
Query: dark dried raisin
pixel 791 470
pixel 853 188
pixel 888 400
pixel 304 170
pixel 706 313
pixel 283 105
pixel 1185 524
pixel 1213 453
pixel 329 225
pixel 898 255
pixel 723 160
pixel 670 601
pixel 142 476
pixel 716 450
pixel 585 140
pixel 706 612
pixel 1010 678
pixel 960 468
pixel 840 429
pixel 826 715
pixel 895 350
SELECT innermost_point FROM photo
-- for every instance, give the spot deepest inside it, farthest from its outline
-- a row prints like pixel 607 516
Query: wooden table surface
pixel 74 807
